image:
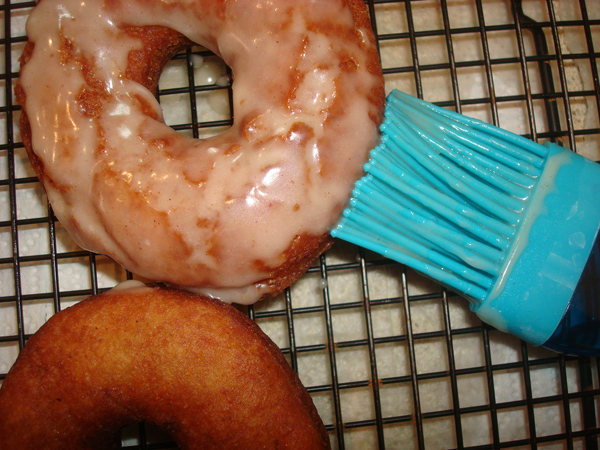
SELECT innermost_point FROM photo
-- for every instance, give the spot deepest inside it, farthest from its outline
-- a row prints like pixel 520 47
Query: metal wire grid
pixel 465 355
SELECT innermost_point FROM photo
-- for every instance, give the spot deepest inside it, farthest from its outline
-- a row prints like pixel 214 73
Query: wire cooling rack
pixel 391 359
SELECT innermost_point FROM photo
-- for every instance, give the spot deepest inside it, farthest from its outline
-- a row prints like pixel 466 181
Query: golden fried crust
pixel 195 367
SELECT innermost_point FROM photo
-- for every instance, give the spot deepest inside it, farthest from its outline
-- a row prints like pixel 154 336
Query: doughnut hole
pixel 194 91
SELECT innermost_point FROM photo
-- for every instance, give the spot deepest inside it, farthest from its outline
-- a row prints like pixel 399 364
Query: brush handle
pixel 578 332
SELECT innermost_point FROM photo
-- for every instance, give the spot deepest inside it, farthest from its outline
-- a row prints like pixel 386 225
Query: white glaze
pixel 536 207
pixel 128 285
pixel 192 212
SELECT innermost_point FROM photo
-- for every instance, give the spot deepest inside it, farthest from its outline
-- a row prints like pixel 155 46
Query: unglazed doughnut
pixel 238 216
pixel 196 367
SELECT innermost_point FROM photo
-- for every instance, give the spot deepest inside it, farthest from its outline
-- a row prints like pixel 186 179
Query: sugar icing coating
pixel 215 215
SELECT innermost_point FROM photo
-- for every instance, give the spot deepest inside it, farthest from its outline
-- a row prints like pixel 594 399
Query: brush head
pixel 502 220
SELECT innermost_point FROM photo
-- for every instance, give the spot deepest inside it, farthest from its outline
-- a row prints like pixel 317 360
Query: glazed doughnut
pixel 195 367
pixel 238 216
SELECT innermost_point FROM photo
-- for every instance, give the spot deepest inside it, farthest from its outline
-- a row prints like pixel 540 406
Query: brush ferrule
pixel 547 257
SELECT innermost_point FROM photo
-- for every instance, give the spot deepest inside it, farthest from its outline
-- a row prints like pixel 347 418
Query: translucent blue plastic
pixel 579 331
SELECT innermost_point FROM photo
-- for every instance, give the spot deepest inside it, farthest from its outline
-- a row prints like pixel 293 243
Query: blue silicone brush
pixel 510 224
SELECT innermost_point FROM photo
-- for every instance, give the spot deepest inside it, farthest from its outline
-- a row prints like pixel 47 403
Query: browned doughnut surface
pixel 197 368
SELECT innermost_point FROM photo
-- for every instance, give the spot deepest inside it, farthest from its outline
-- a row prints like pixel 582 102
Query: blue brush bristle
pixel 504 221
pixel 443 204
